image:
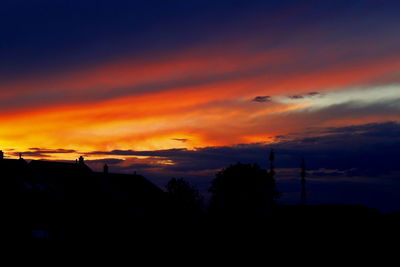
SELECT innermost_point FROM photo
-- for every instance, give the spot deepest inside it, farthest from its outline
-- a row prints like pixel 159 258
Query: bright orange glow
pixel 184 101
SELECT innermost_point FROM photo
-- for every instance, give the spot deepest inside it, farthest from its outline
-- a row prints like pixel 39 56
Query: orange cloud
pixel 216 110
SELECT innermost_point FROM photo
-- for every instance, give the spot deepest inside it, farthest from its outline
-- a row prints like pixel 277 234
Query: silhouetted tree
pixel 243 189
pixel 185 198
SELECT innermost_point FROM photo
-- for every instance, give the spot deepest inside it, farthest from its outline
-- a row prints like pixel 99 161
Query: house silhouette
pixel 69 181
pixel 45 195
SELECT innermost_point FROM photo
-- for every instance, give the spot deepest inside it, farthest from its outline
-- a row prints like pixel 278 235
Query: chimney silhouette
pixel 1 154
pixel 303 193
pixel 105 168
pixel 81 160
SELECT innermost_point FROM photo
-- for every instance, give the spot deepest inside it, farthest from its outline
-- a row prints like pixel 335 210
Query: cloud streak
pixel 262 99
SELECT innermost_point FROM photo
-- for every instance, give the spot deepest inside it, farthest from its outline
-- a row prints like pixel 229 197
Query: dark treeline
pixel 47 201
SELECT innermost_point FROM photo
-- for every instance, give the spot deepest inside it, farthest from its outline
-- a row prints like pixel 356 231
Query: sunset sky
pixel 165 86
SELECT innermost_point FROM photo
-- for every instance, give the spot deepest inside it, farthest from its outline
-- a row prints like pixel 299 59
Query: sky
pixel 185 88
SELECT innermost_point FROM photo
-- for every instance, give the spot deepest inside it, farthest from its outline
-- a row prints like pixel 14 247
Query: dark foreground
pixel 113 225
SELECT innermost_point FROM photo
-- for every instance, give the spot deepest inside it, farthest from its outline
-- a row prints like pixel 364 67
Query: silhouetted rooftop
pixel 14 166
pixel 17 176
pixel 69 179
pixel 131 185
pixel 60 168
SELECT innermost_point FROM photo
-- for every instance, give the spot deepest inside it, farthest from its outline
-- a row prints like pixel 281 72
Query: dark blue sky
pixel 48 35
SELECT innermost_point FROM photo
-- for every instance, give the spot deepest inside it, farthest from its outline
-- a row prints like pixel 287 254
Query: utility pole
pixel 271 163
pixel 303 193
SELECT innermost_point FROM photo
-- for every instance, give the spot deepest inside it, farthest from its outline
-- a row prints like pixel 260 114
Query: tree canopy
pixel 185 198
pixel 243 188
